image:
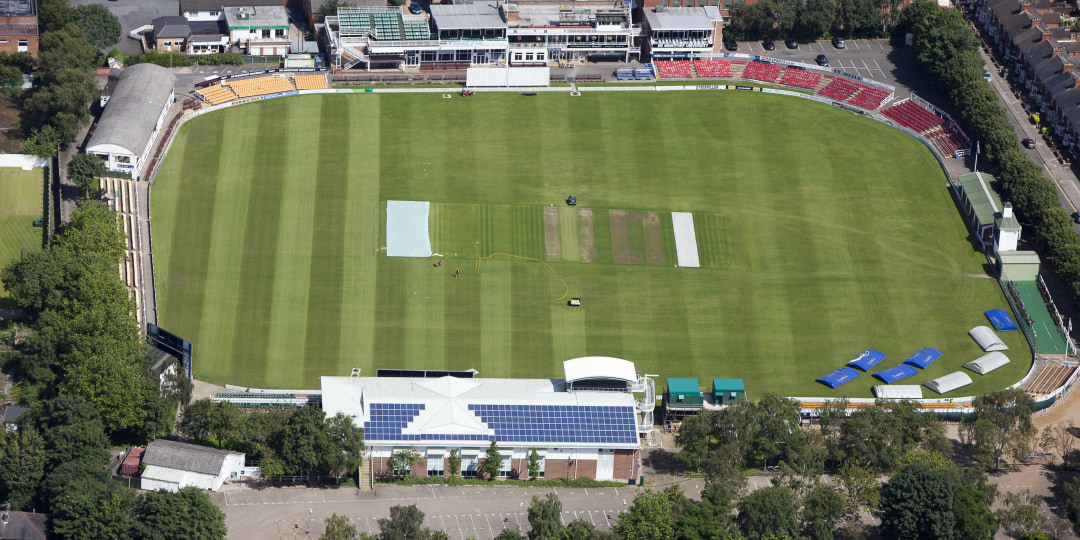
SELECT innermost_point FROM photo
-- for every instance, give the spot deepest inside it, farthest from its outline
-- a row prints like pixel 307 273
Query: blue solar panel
pixel 516 423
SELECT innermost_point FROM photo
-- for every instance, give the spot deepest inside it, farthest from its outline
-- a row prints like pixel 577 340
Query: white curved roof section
pixel 987 363
pixel 987 339
pixel 898 391
pixel 599 367
pixel 949 382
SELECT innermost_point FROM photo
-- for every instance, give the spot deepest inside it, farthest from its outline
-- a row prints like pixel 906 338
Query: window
pixel 469 466
pixel 23 45
pixel 427 56
pixel 265 33
pixel 517 57
pixel 123 159
pixel 435 464
pixel 543 460
pixel 504 470
pixel 214 14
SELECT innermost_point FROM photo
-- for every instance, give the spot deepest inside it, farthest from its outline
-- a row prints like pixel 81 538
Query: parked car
pixel 414 8
pixel 838 42
pixel 769 45
pixel 1075 216
pixel 986 76
pixel 1028 143
pixel 791 43
pixel 731 45
pixel 822 60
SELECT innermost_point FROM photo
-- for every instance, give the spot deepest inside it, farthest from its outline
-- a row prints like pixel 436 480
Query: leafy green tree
pixel 93 230
pixel 63 476
pixel 509 534
pixel 302 440
pixel 84 170
pixel 545 517
pixel 404 523
pixel 453 463
pixel 88 508
pixel 22 466
pixel 195 419
pixel 72 431
pixel 339 528
pixel 1072 502
pixel 933 460
pixel 1000 424
pixel 101 26
pixel 223 418
pixel 917 502
pixel 1059 438
pixel 492 464
pixel 67 60
pixel 53 14
pixel 1019 514
pixel 649 518
pixel 769 511
pixel 974 520
pixel 345 445
pixel 534 464
pixel 187 514
pixel 43 142
pixel 579 529
pixel 403 460
pixel 822 507
pixel 860 486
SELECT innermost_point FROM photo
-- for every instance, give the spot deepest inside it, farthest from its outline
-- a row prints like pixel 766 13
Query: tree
pixel 1000 424
pixel 60 479
pixel 92 509
pixel 822 507
pixel 84 169
pixel 345 445
pixel 195 420
pixel 974 520
pixel 93 230
pixel 509 534
pixel 404 523
pixel 72 432
pixel 339 528
pixel 53 14
pixel 768 512
pixel 579 529
pixel 186 514
pixel 402 461
pixel 43 142
pixel 545 517
pixel 648 519
pixel 302 440
pixel 917 503
pixel 1072 502
pixel 329 8
pixel 860 485
pixel 1059 439
pixel 22 467
pixel 492 464
pixel 101 26
pixel 454 462
pixel 534 464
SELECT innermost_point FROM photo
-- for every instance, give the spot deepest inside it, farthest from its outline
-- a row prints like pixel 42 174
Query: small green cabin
pixel 728 391
pixel 683 394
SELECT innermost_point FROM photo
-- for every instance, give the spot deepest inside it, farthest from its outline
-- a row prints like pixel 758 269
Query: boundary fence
pixel 946 408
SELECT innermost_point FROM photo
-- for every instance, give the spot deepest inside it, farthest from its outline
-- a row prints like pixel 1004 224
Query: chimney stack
pixel 1058 50
pixel 1006 212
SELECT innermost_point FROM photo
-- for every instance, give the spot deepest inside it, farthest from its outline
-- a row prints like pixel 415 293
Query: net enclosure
pixel 898 391
pixel 987 363
pixel 923 357
pixel 896 373
pixel 867 359
pixel 948 383
pixel 987 339
pixel 839 377
pixel 1001 320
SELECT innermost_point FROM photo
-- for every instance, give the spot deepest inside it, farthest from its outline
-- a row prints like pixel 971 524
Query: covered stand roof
pixel 987 339
pixel 682 18
pixel 185 457
pixel 987 363
pixel 898 391
pixel 131 115
pixel 466 16
pixel 984 200
pixel 599 367
pixel 948 383
pixel 472 412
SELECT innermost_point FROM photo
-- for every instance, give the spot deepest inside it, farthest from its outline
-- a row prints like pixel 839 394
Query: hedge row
pixel 948 52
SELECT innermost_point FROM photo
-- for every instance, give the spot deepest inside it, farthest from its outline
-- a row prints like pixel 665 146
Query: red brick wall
pixel 625 464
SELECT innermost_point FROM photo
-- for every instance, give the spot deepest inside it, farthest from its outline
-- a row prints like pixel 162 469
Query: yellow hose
pixel 566 288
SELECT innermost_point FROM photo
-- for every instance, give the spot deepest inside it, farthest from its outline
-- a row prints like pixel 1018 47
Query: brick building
pixel 586 425
pixel 19 26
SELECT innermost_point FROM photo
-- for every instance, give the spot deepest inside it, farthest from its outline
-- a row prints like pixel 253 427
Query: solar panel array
pixel 515 423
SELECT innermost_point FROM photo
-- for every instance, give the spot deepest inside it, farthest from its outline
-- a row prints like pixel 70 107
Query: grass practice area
pixel 21 201
pixel 820 234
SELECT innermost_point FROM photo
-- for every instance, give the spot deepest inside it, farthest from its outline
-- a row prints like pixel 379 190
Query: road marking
pixel 1061 189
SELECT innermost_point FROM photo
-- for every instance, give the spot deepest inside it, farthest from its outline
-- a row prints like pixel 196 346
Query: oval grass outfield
pixel 820 234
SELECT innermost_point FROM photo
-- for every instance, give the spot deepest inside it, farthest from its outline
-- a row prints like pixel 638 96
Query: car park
pixel 1028 143
pixel 768 44
pixel 822 60
pixel 791 43
pixel 838 42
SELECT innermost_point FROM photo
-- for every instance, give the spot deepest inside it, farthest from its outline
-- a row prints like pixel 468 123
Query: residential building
pixel 19 27
pixel 214 10
pixel 261 30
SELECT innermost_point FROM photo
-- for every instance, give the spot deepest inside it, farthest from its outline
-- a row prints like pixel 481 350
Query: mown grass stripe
pixel 190 176
pixel 391 298
pixel 462 325
pixel 323 343
pixel 533 286
pixel 568 234
pixel 258 263
pixel 496 317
